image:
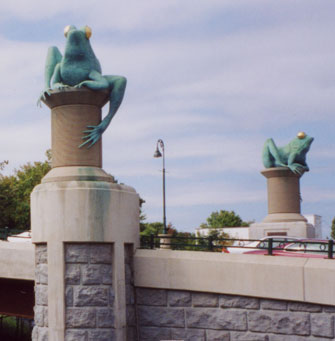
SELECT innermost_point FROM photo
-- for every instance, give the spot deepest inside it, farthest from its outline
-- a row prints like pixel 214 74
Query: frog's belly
pixel 73 76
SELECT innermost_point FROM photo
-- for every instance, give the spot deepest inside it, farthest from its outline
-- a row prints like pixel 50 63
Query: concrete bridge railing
pixel 187 295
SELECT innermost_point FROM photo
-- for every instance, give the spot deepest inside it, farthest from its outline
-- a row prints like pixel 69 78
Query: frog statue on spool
pixel 77 68
pixel 293 155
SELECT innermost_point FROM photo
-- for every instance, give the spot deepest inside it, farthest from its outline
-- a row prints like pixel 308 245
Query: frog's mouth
pixel 75 48
pixel 76 37
pixel 307 143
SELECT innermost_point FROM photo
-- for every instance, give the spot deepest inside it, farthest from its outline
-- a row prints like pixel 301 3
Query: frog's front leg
pixel 95 82
pixel 295 167
pixel 117 87
pixel 271 155
pixel 57 82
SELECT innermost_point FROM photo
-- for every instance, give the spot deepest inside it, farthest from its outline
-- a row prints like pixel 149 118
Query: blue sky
pixel 214 79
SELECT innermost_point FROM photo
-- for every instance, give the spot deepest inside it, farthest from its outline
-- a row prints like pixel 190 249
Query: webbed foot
pixel 81 84
pixel 60 86
pixel 297 168
pixel 93 135
pixel 280 164
pixel 42 96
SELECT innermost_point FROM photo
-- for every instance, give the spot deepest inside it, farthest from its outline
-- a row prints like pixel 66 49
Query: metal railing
pixel 269 246
pixel 182 243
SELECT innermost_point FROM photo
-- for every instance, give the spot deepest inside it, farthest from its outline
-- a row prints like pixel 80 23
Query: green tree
pixel 182 240
pixel 147 229
pixel 332 233
pixel 3 164
pixel 223 219
pixel 143 216
pixel 7 202
pixel 15 193
pixel 217 234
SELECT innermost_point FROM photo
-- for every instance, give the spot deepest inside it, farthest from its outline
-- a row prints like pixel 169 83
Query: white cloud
pixel 213 95
pixel 22 143
pixel 317 195
pixel 122 15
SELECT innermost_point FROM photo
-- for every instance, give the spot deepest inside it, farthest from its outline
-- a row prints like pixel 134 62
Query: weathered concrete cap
pixel 68 96
pixel 77 174
pixel 276 172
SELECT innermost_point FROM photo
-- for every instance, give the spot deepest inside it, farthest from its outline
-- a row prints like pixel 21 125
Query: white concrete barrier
pixel 17 260
pixel 283 278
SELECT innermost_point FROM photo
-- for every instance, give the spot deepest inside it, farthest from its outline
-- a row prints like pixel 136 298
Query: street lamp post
pixel 158 154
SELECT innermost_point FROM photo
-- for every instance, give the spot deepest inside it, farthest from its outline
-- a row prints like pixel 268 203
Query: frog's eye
pixel 88 32
pixel 66 30
pixel 301 135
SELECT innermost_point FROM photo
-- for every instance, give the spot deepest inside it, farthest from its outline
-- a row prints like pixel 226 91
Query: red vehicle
pixel 242 246
pixel 308 248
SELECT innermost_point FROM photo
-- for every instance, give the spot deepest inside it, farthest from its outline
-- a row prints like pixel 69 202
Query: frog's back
pixel 79 59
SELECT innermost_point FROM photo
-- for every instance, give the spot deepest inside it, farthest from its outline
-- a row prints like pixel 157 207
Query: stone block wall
pixel 130 293
pixel 89 292
pixel 186 315
pixel 40 331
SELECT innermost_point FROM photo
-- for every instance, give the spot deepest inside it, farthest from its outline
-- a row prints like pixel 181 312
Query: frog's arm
pixel 117 87
pixel 295 167
pixel 95 82
pixel 57 82
pixel 53 58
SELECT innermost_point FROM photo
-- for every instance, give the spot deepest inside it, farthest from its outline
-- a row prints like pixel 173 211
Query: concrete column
pixel 71 113
pixel 84 224
pixel 165 242
pixel 284 218
pixel 283 195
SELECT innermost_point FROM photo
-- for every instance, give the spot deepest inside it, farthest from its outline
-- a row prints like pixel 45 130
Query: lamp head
pixel 157 153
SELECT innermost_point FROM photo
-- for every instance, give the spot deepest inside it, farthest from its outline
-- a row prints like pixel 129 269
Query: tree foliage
pixel 332 233
pixel 217 234
pixel 147 229
pixel 3 164
pixel 182 240
pixel 222 218
pixel 15 193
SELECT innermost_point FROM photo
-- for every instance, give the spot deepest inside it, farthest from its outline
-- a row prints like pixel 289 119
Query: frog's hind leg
pixel 53 58
pixel 117 87
pixel 270 154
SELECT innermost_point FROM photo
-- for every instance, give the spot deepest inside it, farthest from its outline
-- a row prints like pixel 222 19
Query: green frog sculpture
pixel 77 68
pixel 293 155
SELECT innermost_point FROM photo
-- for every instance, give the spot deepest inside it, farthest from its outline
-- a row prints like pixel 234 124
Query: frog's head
pixel 77 43
pixel 303 142
pixel 71 28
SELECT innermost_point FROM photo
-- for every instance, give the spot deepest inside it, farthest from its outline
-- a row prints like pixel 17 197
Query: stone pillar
pixel 71 112
pixel 86 226
pixel 284 215
pixel 283 195
pixel 165 241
